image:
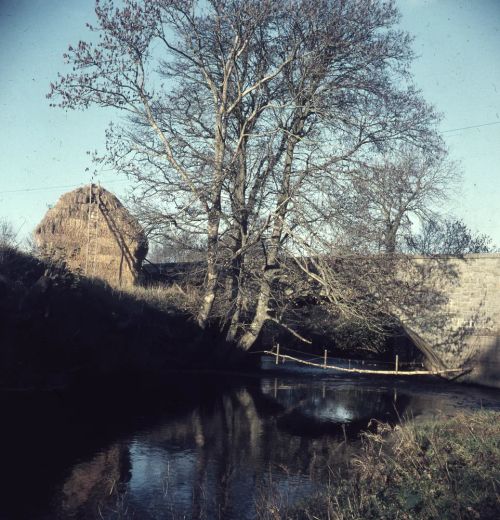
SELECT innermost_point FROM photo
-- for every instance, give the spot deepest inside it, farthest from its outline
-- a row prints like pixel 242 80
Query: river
pixel 211 446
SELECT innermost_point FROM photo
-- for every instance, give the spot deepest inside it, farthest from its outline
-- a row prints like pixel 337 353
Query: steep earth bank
pixel 57 329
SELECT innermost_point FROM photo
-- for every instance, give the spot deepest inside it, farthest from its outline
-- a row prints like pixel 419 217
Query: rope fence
pixel 456 371
pixel 310 356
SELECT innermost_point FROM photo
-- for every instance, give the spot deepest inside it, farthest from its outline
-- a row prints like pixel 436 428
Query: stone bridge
pixel 458 323
pixel 454 318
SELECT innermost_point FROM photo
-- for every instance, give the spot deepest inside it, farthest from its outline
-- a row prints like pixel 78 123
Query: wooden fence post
pixel 324 361
pixel 397 363
pixel 277 353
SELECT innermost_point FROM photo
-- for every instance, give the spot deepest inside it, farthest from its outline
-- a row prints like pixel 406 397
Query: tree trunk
pixel 271 268
pixel 235 293
pixel 240 232
pixel 390 240
pixel 213 222
pixel 261 312
pixel 212 271
pixel 391 234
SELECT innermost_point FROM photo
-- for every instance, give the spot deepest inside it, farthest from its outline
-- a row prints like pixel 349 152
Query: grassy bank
pixel 446 469
pixel 57 328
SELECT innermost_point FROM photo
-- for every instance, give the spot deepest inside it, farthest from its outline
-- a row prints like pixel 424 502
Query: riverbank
pixel 59 329
pixel 441 468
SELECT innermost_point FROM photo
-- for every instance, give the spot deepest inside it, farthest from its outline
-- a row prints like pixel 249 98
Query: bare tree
pixel 448 236
pixel 176 247
pixel 396 188
pixel 175 144
pixel 239 116
pixel 340 100
pixel 8 234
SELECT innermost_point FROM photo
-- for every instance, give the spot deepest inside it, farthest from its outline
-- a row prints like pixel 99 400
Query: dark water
pixel 208 446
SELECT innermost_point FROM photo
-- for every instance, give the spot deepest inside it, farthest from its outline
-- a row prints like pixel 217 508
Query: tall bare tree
pixel 239 115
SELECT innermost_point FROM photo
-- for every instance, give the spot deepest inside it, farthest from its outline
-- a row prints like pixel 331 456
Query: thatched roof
pixel 94 234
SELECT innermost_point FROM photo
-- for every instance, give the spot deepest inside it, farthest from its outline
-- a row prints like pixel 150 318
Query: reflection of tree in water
pixel 91 482
pixel 218 459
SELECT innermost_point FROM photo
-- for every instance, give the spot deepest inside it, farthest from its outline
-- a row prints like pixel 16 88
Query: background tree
pixel 176 247
pixel 392 190
pixel 448 236
pixel 240 116
pixel 8 234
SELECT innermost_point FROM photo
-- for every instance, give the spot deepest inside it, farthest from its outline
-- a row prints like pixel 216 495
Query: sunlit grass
pixel 166 298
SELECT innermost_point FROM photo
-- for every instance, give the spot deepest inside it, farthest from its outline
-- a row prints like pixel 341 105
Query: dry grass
pixel 446 469
pixel 166 298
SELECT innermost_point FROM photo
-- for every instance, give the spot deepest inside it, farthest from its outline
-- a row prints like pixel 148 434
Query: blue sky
pixel 43 151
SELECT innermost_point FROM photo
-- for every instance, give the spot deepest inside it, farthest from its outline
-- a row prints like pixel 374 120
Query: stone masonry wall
pixel 460 323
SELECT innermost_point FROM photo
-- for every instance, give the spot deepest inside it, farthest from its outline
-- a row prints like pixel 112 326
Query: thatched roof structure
pixel 93 234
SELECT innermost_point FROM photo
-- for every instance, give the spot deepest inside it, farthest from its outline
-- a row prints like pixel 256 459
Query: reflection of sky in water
pixel 221 461
pixel 187 483
pixel 323 403
pixel 161 477
pixel 334 412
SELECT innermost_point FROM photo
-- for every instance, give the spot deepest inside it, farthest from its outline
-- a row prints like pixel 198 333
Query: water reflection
pixel 91 482
pixel 219 459
pixel 215 461
pixel 319 408
pixel 218 455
